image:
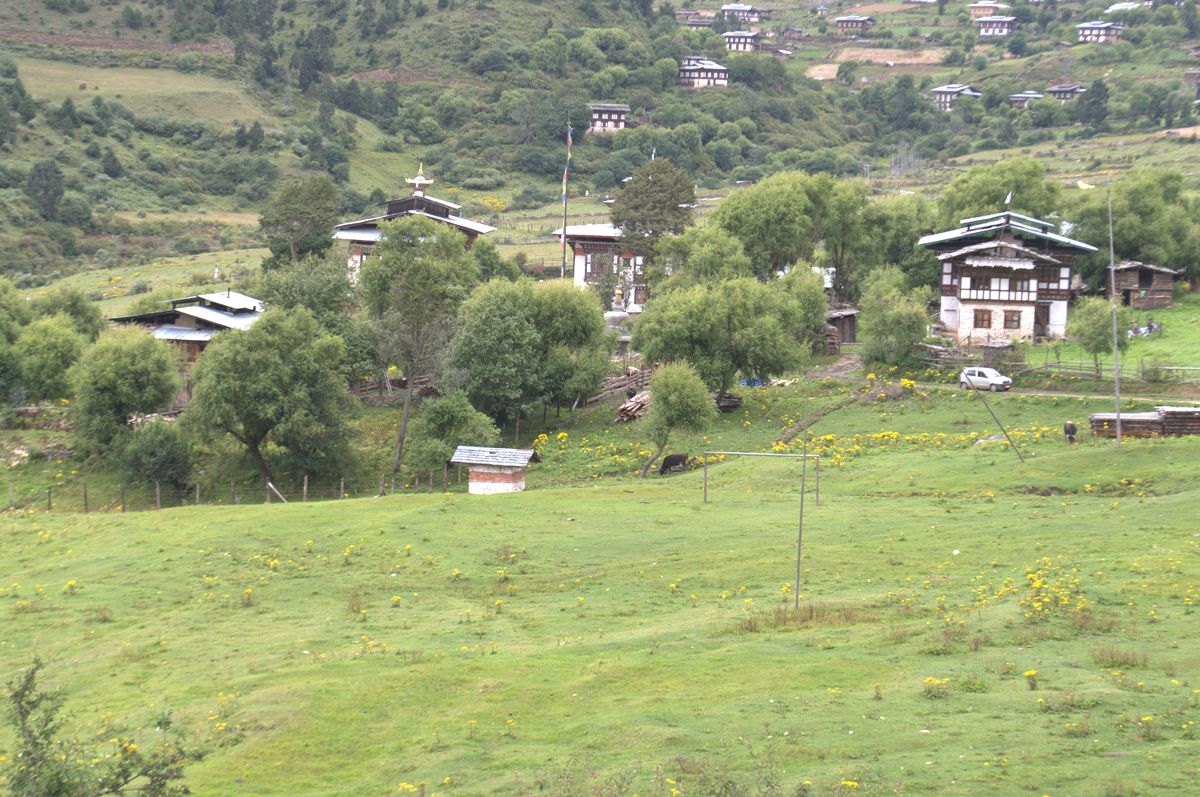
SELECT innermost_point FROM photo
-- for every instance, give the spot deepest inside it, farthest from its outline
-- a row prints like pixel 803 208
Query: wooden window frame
pixel 978 325
pixel 1012 319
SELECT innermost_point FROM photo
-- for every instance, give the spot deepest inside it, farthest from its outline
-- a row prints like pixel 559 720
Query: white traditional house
pixel 1022 99
pixel 1099 32
pixel 993 26
pixel 945 96
pixel 853 24
pixel 697 72
pixel 607 117
pixel 1004 277
pixel 743 13
pixel 599 252
pixel 740 41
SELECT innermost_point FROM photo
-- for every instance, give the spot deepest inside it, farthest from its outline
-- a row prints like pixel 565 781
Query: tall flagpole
pixel 566 171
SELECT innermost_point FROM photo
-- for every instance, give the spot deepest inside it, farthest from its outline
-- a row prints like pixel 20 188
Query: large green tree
pixel 47 348
pixel 679 400
pixel 1091 326
pixel 724 329
pixel 299 219
pixel 984 189
pixel 807 287
pixel 894 318
pixel 657 201
pixel 1154 221
pixel 573 357
pixel 413 283
pixel 276 383
pixel 773 220
pixel 45 187
pixel 14 311
pixel 704 253
pixel 126 371
pixel 444 424
pixel 74 304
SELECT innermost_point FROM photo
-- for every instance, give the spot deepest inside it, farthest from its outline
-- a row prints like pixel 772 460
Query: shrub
pixel 156 452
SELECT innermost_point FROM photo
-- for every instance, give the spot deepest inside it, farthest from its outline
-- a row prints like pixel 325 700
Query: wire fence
pixel 81 496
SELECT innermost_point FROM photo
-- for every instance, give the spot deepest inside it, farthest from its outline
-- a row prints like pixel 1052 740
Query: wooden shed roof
pixel 1129 265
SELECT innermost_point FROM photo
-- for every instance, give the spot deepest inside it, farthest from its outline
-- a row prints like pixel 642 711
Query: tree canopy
pixel 984 189
pixel 678 400
pixel 894 318
pixel 657 201
pixel 299 219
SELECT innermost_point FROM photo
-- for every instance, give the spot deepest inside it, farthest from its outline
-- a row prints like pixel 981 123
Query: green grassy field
pixel 520 644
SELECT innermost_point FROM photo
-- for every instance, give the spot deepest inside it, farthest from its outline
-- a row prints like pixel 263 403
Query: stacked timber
pixel 1180 420
pixel 728 402
pixel 634 408
pixel 1133 424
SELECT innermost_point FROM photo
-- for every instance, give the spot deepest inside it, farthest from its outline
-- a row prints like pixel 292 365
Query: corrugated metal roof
pixel 998 225
pixel 1126 265
pixel 221 318
pixel 476 455
pixel 233 300
pixel 366 234
pixel 178 333
pixel 590 231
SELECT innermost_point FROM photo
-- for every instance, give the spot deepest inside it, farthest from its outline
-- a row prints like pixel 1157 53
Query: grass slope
pixel 623 625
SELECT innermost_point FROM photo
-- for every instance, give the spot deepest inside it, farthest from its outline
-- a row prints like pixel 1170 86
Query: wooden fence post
pixel 431 481
pixel 445 474
pixel 49 499
pixel 342 489
pixel 304 490
pixel 122 497
pixel 380 494
pixel 232 492
pixel 85 497
pixel 197 493
pixel 157 496
pixel 267 490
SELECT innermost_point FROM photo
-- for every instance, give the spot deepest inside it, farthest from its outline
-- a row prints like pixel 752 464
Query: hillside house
pixel 741 41
pixel 853 24
pixel 991 27
pixel 986 8
pixel 1099 32
pixel 944 97
pixel 361 235
pixel 1191 79
pixel 1143 286
pixel 1065 92
pixel 1021 99
pixel 698 72
pixel 190 322
pixel 607 117
pixel 598 253
pixel 1004 277
pixel 743 13
pixel 786 36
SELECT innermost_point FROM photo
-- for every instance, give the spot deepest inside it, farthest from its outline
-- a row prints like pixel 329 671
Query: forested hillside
pixel 162 127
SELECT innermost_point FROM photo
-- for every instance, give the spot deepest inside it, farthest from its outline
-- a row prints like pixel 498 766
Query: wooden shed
pixel 845 319
pixel 493 470
pixel 1143 286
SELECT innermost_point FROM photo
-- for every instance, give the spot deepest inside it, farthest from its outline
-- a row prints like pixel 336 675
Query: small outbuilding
pixel 493 470
pixel 1143 286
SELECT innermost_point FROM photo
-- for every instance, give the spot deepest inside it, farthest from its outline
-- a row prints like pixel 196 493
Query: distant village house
pixel 996 26
pixel 607 117
pixel 944 97
pixel 363 234
pixel 1022 99
pixel 1004 277
pixel 743 13
pixel 853 24
pixel 697 72
pixel 190 322
pixel 1065 92
pixel 1099 32
pixel 986 8
pixel 740 41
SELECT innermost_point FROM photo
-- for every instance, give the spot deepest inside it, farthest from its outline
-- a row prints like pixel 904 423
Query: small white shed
pixel 493 470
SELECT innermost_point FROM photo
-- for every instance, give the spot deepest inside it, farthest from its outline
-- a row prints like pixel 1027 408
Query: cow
pixel 1069 431
pixel 672 462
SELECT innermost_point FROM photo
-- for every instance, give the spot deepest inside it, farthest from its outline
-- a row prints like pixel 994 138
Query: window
pixel 1012 319
pixel 983 319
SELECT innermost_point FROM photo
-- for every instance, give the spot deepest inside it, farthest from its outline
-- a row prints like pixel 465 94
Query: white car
pixel 983 379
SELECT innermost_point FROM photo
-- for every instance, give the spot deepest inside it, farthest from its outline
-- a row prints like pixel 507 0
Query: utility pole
pixel 1112 301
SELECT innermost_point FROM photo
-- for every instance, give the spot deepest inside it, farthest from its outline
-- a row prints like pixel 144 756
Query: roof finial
pixel 420 181
pixel 1008 199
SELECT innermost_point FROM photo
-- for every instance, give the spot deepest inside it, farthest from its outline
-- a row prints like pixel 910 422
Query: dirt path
pixel 1170 400
pixel 839 370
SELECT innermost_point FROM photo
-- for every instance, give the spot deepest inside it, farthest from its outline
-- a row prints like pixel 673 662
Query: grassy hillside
pixel 515 644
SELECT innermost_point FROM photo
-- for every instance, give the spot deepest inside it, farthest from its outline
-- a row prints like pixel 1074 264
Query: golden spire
pixel 420 181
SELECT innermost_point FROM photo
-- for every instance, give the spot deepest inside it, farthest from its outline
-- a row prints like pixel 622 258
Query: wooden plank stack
pixel 1180 420
pixel 728 402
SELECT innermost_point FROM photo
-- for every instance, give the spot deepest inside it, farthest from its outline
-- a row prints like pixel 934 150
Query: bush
pixel 156 452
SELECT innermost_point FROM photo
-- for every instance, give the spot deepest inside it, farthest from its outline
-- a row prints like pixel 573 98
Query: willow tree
pixel 413 283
